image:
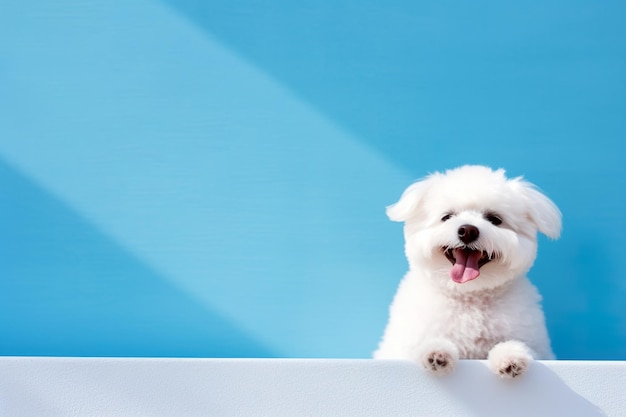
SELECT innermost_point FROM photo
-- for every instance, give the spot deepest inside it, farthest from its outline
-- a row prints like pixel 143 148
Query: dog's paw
pixel 513 367
pixel 439 362
pixel 510 359
pixel 439 356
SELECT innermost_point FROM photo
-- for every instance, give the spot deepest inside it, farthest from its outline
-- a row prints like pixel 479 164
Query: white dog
pixel 470 238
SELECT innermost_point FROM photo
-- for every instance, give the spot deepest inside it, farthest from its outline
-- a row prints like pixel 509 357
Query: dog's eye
pixel 493 218
pixel 446 217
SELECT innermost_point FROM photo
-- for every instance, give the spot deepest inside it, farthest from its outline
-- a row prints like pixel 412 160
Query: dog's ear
pixel 407 206
pixel 542 211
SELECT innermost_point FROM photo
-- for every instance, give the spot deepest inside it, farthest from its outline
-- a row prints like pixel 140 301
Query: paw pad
pixel 512 368
pixel 439 362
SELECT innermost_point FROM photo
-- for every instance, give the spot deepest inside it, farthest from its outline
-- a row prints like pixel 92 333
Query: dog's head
pixel 473 226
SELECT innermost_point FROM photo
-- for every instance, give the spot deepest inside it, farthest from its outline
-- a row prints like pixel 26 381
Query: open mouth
pixel 466 263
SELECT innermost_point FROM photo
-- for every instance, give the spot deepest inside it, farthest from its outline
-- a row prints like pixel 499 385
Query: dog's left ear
pixel 541 210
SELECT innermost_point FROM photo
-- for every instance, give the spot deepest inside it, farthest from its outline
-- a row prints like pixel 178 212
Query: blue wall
pixel 190 178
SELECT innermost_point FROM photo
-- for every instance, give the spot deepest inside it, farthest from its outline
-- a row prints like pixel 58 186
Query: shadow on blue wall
pixel 68 290
pixel 189 123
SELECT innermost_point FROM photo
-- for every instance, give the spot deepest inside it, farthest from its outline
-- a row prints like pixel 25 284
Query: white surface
pixel 274 387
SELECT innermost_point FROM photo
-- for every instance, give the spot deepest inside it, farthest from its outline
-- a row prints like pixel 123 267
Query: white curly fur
pixel 435 320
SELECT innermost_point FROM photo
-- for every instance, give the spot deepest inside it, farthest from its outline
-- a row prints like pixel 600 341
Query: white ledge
pixel 293 387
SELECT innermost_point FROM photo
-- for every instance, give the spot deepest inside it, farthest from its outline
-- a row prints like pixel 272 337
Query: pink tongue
pixel 466 266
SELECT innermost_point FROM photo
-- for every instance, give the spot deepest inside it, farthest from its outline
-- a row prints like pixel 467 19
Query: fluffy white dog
pixel 470 238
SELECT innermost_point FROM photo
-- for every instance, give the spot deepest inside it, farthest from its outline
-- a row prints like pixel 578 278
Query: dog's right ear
pixel 408 204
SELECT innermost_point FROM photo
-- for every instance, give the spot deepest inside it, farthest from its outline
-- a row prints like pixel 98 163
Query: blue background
pixel 189 178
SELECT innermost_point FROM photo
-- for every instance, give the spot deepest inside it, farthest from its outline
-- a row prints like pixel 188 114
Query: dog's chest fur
pixel 474 322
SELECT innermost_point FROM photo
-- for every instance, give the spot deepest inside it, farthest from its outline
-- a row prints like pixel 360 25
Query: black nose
pixel 468 233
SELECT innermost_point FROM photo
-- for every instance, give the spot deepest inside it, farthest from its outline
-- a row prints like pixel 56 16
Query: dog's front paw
pixel 439 362
pixel 510 359
pixel 439 356
pixel 513 367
